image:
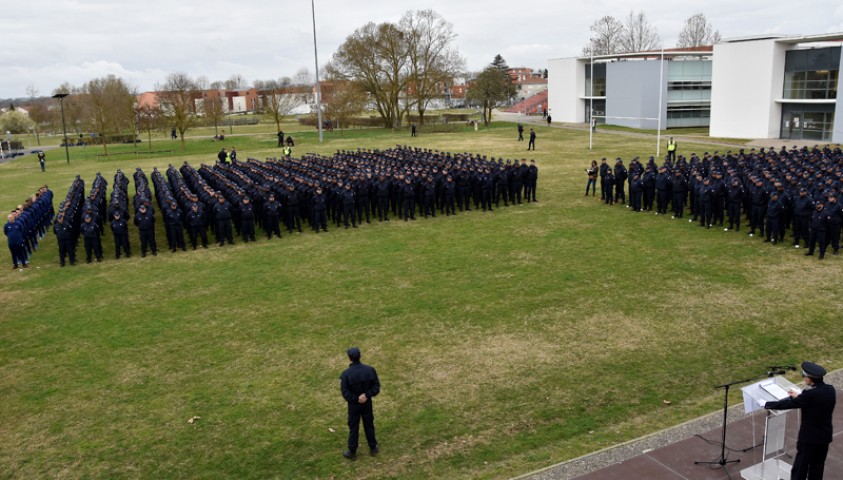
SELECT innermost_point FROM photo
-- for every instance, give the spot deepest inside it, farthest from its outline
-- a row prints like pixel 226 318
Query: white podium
pixel 771 466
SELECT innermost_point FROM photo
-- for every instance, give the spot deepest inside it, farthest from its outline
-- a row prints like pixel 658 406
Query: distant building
pixel 626 88
pixel 782 87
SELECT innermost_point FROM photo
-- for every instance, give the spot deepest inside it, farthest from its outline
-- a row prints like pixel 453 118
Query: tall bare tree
pixel 343 101
pixel 433 61
pixel 74 106
pixel 489 89
pixel 639 35
pixel 214 109
pixel 177 97
pixel 37 112
pixel 149 120
pixel 278 98
pixel 606 34
pixel 376 57
pixel 109 106
pixel 698 32
pixel 236 82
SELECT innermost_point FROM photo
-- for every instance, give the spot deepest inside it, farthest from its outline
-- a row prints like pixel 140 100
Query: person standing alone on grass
pixel 532 144
pixel 358 384
pixel 41 158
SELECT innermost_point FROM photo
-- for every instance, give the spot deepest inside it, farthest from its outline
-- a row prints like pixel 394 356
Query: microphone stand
pixel 722 461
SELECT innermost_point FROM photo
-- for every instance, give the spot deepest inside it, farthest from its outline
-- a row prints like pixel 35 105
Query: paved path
pixel 670 454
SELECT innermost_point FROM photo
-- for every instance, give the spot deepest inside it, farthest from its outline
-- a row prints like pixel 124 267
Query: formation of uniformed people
pixel 346 189
pixel 27 224
pixel 795 189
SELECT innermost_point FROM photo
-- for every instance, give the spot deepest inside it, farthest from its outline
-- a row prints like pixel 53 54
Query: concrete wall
pixel 566 86
pixel 837 134
pixel 747 77
pixel 632 90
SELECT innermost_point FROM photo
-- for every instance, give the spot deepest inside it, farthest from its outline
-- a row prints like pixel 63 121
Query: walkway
pixel 670 454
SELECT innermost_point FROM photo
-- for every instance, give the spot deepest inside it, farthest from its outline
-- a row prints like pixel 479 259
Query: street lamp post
pixel 316 61
pixel 61 96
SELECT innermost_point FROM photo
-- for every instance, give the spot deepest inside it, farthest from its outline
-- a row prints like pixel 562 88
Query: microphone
pixel 773 373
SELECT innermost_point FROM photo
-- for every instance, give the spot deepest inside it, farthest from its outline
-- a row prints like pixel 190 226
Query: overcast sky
pixel 48 42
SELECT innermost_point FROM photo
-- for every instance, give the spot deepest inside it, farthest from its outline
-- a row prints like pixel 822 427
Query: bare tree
pixel 37 112
pixel 489 89
pixel 376 57
pixel 177 97
pixel 73 105
pixel 149 120
pixel 109 107
pixel 433 62
pixel 278 98
pixel 698 32
pixel 236 82
pixel 343 101
pixel 606 34
pixel 214 109
pixel 639 35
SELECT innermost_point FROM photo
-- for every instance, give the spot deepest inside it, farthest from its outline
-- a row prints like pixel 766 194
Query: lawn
pixel 504 341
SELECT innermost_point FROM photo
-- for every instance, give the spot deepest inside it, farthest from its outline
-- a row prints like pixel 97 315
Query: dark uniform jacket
pixel 817 406
pixel 359 378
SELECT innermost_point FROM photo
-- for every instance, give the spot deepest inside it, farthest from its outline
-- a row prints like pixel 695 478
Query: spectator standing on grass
pixel 592 178
pixel 817 404
pixel 41 159
pixel 671 150
pixel 359 384
pixel 520 132
pixel 222 156
pixel 532 144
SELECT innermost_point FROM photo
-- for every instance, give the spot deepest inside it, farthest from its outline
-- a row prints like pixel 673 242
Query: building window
pixel 807 122
pixel 811 74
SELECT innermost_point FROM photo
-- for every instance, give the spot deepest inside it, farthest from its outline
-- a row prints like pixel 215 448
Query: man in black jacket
pixel 145 221
pixel 222 214
pixel 358 384
pixel 817 405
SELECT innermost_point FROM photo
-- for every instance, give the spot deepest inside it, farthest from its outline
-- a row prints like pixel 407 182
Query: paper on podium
pixel 769 389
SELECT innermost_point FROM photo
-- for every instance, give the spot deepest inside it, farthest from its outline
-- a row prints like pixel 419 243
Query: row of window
pixel 701 85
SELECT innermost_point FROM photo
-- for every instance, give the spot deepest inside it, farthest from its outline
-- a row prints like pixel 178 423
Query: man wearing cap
pixel 817 404
pixel 120 229
pixel 358 384
pixel 145 221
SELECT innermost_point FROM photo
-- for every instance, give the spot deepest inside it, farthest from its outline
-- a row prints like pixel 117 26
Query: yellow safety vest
pixel 671 146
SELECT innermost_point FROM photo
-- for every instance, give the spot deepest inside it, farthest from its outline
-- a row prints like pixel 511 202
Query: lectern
pixel 772 467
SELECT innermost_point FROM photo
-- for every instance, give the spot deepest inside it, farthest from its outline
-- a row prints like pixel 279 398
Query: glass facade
pixel 807 122
pixel 811 74
pixel 599 110
pixel 599 80
pixel 689 93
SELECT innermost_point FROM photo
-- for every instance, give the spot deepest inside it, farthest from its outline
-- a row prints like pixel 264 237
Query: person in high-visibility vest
pixel 671 150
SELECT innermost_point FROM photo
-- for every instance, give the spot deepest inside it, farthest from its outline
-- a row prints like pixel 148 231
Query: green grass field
pixel 504 341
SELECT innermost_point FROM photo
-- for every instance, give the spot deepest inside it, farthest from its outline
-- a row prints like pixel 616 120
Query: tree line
pixel 392 68
pixel 611 36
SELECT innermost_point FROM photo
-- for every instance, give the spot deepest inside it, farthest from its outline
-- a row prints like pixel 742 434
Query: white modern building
pixel 777 87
